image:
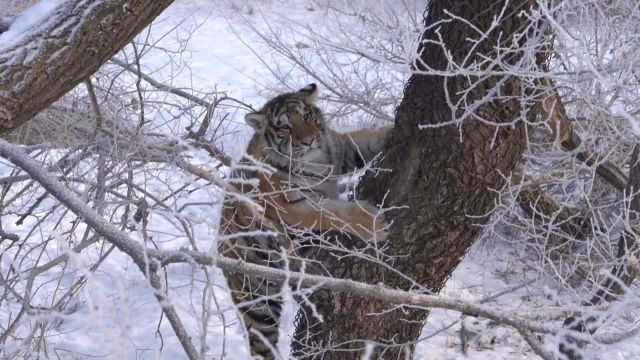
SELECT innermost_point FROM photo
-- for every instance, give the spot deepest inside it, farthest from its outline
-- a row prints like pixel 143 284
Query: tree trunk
pixel 446 176
pixel 55 55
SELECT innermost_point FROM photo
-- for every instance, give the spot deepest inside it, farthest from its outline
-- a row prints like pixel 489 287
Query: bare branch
pixel 114 235
pixel 378 292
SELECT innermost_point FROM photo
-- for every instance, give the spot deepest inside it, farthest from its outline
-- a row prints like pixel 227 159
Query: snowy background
pixel 115 315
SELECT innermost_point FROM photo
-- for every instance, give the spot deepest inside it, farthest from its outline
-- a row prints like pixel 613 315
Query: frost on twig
pixel 149 260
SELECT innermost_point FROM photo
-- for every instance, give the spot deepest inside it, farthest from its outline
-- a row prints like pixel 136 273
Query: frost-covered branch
pixel 575 203
pixel 114 235
pixel 144 258
pixel 149 260
pixel 61 48
pixel 379 292
pixel 138 162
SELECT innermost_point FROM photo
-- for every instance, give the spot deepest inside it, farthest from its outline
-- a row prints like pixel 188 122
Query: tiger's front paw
pixel 381 230
pixel 380 227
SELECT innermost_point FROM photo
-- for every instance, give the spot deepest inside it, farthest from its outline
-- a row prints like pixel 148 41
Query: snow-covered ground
pixel 119 317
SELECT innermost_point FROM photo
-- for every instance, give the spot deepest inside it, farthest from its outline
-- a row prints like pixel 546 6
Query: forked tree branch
pixel 542 207
pixel 53 57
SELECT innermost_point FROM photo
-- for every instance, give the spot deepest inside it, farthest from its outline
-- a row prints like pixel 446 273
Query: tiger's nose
pixel 308 140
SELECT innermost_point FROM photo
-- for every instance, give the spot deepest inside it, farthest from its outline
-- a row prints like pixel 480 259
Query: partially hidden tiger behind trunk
pixel 297 188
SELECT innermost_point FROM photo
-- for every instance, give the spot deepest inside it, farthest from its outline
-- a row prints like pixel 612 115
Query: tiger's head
pixel 290 127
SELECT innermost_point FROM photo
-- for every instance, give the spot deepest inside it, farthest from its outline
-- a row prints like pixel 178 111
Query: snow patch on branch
pixel 19 28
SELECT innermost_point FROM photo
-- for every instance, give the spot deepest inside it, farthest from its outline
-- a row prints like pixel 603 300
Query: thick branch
pixel 554 111
pixel 79 36
pixel 540 206
pixel 368 291
pixel 608 171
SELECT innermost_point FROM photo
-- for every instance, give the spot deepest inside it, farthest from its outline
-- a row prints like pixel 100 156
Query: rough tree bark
pixel 446 180
pixel 57 55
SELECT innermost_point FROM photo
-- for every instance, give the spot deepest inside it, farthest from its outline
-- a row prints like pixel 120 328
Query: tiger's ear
pixel 310 91
pixel 256 120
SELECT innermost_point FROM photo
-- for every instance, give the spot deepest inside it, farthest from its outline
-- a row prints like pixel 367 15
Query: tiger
pixel 296 187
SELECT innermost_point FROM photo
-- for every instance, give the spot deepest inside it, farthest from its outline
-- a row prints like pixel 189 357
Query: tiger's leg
pixel 257 299
pixel 368 143
pixel 296 209
pixel 261 314
pixel 329 214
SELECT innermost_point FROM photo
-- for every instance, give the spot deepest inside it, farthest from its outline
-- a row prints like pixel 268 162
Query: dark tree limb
pixel 607 171
pixel 553 110
pixel 541 207
pixel 445 175
pixel 8 236
pixel 58 54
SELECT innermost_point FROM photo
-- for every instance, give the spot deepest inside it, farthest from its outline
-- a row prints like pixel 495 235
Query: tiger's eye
pixel 282 119
pixel 284 130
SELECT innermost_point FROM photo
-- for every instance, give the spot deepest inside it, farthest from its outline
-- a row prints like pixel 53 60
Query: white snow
pixel 117 315
pixel 35 16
